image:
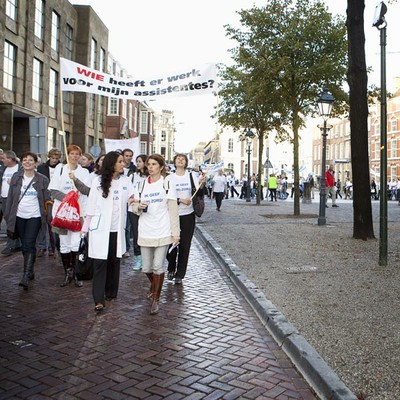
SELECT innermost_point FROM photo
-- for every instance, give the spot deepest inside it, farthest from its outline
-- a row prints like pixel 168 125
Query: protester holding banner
pixel 155 201
pixel 137 178
pixel 61 184
pixel 182 181
pixel 105 221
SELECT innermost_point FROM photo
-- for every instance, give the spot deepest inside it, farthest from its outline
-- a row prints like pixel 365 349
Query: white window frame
pixel 37 80
pixel 112 106
pixel 53 85
pixel 393 125
pixel 11 9
pixel 230 145
pixel 93 53
pixel 39 18
pixel 10 60
pixel 69 43
pixel 55 31
pixel 144 122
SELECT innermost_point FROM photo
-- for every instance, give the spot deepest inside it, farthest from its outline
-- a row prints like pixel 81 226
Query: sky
pixel 155 36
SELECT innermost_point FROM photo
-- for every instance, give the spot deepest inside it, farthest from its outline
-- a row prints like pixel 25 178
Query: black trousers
pixel 218 198
pixel 134 220
pixel 106 273
pixel 187 224
pixel 233 190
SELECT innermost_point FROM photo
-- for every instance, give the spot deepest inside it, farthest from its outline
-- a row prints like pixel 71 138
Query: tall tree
pixel 300 48
pixel 358 82
pixel 248 105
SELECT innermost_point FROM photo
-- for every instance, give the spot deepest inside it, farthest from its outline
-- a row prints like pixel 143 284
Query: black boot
pixel 77 278
pixel 31 265
pixel 69 272
pixel 25 276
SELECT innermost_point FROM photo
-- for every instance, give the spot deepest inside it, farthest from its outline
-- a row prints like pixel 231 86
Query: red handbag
pixel 68 215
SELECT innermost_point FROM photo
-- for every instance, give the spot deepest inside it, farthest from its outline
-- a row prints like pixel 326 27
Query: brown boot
pixel 158 281
pixel 150 292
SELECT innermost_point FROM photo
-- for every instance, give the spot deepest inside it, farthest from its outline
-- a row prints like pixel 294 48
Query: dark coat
pixel 39 183
pixel 44 169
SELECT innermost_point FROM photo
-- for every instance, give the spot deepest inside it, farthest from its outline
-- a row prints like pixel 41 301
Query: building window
pixel 393 173
pixel 130 115
pixel 92 106
pixel 393 149
pixel 66 102
pixel 124 108
pixel 230 166
pixel 143 122
pixel 69 43
pixel 377 128
pixel 10 53
pixel 11 9
pixel 163 136
pixel 163 152
pixel 230 145
pixel 53 88
pixel 101 112
pixel 143 148
pixel 37 80
pixel 55 31
pixel 93 54
pixel 102 60
pixel 112 106
pixel 39 19
pixel 393 125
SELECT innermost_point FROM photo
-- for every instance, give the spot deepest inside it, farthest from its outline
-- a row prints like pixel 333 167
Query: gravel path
pixel 328 285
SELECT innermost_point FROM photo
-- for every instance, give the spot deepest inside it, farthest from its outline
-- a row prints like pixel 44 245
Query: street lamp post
pixel 248 135
pixel 380 23
pixel 325 103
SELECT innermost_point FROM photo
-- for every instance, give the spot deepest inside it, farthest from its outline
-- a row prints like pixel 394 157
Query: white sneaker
pixel 126 255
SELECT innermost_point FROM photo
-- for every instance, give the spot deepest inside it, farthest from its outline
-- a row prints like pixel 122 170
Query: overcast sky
pixel 154 36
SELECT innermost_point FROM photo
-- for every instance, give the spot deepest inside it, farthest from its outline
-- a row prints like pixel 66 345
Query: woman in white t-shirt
pixel 25 211
pixel 105 221
pixel 60 184
pixel 155 201
pixel 183 185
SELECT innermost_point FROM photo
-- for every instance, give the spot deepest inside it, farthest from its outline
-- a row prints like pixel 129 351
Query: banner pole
pixel 62 127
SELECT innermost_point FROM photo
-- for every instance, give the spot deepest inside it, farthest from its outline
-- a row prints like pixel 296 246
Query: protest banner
pixel 122 144
pixel 75 77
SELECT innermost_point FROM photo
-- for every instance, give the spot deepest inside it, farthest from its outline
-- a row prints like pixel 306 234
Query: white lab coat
pixel 101 210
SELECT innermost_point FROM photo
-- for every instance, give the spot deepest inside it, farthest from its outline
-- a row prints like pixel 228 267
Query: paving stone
pixel 205 343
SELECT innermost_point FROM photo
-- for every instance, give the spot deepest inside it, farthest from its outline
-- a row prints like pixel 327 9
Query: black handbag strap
pixel 192 184
pixel 23 194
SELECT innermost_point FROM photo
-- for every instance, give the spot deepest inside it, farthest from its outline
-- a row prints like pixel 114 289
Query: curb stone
pixel 319 375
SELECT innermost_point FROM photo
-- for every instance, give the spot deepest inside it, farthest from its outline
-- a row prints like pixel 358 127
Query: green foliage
pixel 286 52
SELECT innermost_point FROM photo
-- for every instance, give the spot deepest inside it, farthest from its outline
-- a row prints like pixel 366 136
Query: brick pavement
pixel 204 344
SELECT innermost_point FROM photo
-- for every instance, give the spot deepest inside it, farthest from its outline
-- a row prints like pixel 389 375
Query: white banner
pixel 119 145
pixel 75 77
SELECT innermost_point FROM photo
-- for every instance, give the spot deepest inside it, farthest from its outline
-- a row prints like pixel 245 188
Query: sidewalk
pixel 328 285
pixel 206 342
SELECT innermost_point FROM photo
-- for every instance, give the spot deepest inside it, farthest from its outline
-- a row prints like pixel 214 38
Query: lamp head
pixel 379 15
pixel 325 103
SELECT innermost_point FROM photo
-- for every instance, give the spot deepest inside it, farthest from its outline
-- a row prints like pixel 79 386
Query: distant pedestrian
pixel 105 221
pixel 25 212
pixel 272 186
pixel 219 183
pixel 232 184
pixel 330 186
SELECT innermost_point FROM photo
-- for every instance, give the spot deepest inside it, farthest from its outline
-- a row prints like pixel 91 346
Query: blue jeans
pixel 28 230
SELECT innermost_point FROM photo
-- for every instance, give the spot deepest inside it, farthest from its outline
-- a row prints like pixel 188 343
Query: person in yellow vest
pixel 272 185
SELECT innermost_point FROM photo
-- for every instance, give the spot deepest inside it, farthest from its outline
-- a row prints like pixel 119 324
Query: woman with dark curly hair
pixel 106 220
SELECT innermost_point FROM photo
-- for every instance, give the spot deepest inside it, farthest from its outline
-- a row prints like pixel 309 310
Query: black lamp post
pixel 325 103
pixel 248 135
pixel 380 23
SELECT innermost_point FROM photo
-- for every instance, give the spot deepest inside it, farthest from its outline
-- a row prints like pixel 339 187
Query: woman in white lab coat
pixel 105 222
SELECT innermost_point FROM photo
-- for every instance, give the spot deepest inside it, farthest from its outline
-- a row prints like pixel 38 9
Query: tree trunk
pixel 357 79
